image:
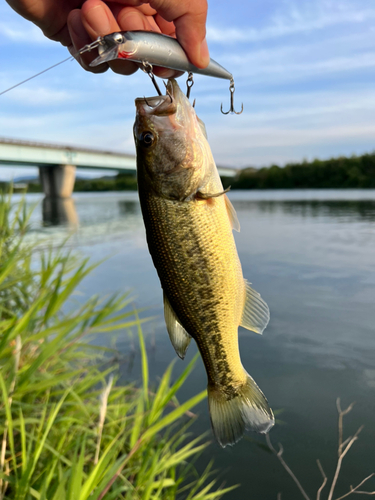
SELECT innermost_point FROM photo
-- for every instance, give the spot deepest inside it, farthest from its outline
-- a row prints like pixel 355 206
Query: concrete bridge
pixel 57 163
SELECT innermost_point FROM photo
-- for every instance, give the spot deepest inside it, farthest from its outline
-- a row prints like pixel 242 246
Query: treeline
pixel 335 173
pixel 353 172
pixel 122 182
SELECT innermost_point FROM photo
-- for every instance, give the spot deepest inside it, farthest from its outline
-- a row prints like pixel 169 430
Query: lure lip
pixel 107 55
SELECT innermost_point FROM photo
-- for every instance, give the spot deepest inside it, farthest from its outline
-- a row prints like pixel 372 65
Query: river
pixel 311 256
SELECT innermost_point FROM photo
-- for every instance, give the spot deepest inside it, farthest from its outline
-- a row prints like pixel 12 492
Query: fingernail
pixel 98 20
pixel 73 52
pixel 132 21
pixel 204 54
pixel 76 27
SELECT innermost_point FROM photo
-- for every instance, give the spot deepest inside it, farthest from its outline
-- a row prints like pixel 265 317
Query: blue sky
pixel 304 70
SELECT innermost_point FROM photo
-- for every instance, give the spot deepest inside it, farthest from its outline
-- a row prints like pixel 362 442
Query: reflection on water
pixel 339 209
pixel 311 256
pixel 95 208
pixel 59 212
pixel 129 207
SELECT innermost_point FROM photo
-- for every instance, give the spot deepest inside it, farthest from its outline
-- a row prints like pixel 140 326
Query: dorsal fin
pixel 232 214
pixel 178 335
pixel 202 127
pixel 255 315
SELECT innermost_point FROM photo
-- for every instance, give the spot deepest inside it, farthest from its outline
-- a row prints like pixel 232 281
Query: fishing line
pixel 34 76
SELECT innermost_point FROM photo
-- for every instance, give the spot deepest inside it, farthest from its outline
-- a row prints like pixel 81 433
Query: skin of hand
pixel 75 23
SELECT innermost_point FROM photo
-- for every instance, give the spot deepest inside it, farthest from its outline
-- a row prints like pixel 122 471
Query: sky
pixel 304 70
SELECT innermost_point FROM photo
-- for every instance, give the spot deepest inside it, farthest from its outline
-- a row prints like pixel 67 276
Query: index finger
pixel 189 17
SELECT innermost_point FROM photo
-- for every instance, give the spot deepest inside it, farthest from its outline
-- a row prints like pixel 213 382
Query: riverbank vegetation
pixel 335 173
pixel 120 182
pixel 69 428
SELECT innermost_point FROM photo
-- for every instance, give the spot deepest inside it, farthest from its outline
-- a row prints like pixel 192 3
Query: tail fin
pixel 247 410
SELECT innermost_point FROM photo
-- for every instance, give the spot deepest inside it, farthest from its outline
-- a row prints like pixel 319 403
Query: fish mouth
pixel 162 105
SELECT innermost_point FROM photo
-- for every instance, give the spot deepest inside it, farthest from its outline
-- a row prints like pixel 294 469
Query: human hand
pixel 74 24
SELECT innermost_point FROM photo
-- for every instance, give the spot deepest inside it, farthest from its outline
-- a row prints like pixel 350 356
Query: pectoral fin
pixel 207 196
pixel 179 336
pixel 256 314
pixel 232 214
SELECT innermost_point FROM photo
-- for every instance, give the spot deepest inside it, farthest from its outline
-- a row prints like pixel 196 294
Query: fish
pixel 151 48
pixel 189 221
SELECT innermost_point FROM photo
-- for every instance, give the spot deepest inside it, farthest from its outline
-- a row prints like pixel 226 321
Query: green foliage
pixel 68 429
pixel 122 182
pixel 336 173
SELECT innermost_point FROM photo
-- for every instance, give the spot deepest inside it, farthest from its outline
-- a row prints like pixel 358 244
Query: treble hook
pixel 189 84
pixel 147 68
pixel 231 109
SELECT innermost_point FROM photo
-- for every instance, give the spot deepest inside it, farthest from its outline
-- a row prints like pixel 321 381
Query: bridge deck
pixel 35 154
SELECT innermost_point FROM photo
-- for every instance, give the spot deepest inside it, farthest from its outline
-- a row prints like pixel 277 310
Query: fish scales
pixel 189 220
pixel 196 259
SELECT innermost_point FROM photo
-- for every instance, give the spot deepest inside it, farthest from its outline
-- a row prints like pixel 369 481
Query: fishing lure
pixel 155 49
pixel 149 49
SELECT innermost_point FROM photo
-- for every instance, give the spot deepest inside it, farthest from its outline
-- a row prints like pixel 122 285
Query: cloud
pixel 40 96
pixel 295 62
pixel 294 18
pixel 289 69
pixel 305 96
pixel 22 32
pixel 241 145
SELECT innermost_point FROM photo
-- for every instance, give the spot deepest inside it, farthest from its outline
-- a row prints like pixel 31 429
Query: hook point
pixel 224 112
pixel 239 112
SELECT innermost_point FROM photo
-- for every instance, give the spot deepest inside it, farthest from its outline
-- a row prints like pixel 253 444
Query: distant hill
pixel 26 179
pixel 335 173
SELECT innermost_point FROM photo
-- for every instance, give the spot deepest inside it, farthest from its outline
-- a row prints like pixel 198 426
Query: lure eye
pixel 147 139
pixel 118 38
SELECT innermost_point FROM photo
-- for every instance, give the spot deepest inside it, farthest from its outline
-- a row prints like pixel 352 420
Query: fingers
pixel 166 27
pixel 184 19
pixel 80 38
pixel 189 18
pixel 98 20
pixel 62 36
pixel 132 19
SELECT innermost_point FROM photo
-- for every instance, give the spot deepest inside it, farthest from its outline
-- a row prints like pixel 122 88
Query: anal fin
pixel 178 335
pixel 256 314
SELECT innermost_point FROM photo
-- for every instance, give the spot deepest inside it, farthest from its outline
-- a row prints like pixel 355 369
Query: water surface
pixel 311 256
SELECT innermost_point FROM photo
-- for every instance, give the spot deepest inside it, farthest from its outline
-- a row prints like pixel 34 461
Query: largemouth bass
pixel 189 221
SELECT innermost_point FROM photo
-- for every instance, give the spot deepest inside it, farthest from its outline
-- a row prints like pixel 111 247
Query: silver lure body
pixel 153 48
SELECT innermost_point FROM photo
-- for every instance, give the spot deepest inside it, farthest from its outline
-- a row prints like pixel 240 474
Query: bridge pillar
pixel 58 181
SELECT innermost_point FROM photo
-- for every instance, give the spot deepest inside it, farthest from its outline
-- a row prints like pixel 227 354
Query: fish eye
pixel 147 138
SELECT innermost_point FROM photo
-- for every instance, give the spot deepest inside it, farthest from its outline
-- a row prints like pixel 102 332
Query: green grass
pixel 68 429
